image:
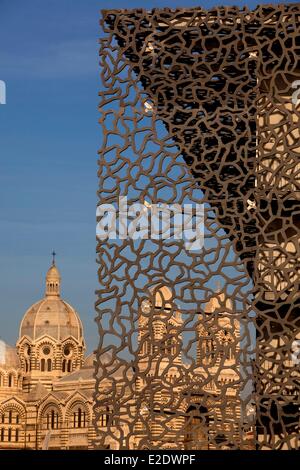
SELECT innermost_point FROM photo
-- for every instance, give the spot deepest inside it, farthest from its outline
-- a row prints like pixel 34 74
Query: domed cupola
pixel 51 341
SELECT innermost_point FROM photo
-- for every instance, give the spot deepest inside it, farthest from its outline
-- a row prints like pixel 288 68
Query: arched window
pixel 212 348
pixel 79 418
pixel 147 346
pixel 54 419
pixel 43 363
pixel 64 365
pixel 170 347
pixel 104 418
pixel 50 420
pixel 69 366
pixel 49 365
pixel 208 349
pixel 81 423
pixel 12 426
pixel 228 346
pixel 10 380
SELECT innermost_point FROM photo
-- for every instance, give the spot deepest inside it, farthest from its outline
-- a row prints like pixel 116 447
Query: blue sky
pixel 49 137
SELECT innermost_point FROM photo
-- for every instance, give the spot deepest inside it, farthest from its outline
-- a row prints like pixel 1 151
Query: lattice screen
pixel 199 348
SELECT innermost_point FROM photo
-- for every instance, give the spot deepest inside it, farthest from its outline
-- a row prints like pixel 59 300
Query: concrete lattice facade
pixel 209 100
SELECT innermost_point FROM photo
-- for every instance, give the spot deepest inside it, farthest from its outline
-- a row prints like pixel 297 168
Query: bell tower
pixel 53 280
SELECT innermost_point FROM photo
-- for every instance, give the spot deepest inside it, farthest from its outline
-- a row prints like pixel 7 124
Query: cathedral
pixel 163 402
pixel 46 382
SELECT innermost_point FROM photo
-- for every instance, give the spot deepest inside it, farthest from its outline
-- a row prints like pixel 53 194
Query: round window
pixel 46 350
pixel 67 351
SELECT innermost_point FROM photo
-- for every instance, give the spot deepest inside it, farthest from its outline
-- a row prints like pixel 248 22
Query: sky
pixel 49 136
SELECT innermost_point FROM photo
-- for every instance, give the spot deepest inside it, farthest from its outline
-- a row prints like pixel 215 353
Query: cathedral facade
pixel 46 383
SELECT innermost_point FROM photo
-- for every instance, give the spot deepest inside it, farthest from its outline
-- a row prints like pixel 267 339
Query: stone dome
pixel 163 297
pixel 219 301
pixel 52 315
pixel 8 356
pixel 89 361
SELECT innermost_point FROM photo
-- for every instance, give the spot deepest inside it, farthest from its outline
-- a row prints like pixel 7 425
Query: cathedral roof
pixel 82 374
pixel 8 356
pixel 52 315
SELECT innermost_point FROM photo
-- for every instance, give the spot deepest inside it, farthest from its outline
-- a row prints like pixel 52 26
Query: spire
pixel 53 279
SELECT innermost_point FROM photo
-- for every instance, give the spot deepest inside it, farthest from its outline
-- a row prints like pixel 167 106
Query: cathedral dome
pixel 163 296
pixel 8 356
pixel 51 316
pixel 219 302
pixel 89 361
